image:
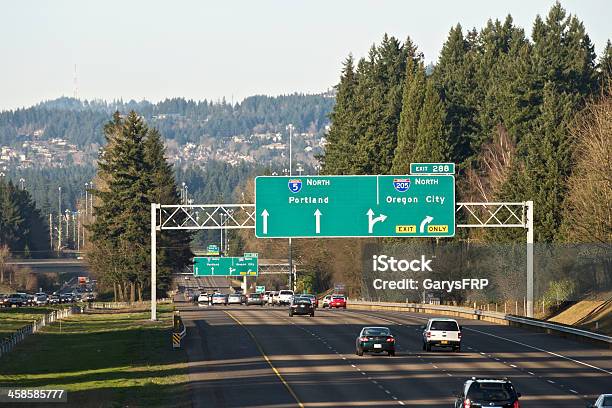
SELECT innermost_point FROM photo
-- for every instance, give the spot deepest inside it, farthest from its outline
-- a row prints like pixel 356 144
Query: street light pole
pixel 291 277
pixel 59 220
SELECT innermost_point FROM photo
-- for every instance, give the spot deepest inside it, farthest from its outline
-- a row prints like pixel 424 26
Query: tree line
pixel 82 122
pixel 491 90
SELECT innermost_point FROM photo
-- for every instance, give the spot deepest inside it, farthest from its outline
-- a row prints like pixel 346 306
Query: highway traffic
pixel 244 356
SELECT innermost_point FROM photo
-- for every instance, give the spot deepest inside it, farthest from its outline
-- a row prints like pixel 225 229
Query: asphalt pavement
pixel 260 357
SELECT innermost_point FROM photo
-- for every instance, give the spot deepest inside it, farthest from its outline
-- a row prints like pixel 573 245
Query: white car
pixel 604 401
pixel 285 297
pixel 442 332
pixel 326 301
pixel 234 299
pixel 41 299
pixel 219 299
pixel 203 298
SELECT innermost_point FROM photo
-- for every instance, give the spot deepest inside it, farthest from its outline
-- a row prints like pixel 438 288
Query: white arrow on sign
pixel 426 221
pixel 372 221
pixel 317 215
pixel 232 269
pixel 265 214
pixel 213 270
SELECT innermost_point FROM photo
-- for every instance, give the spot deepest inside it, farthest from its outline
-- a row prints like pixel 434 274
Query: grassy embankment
pixel 103 360
pixel 15 318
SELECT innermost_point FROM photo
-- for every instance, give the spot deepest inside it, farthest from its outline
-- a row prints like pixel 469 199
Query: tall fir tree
pixel 342 137
pixel 174 254
pixel 604 67
pixel 454 78
pixel 412 103
pixel 431 144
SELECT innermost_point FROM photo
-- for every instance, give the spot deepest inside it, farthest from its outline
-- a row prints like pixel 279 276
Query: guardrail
pixel 7 344
pixel 494 317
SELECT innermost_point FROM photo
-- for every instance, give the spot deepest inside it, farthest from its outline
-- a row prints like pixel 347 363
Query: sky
pixel 205 49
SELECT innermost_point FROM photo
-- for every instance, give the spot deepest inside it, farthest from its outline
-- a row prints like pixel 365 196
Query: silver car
pixel 604 401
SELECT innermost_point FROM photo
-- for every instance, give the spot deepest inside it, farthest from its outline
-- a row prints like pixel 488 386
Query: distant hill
pixel 80 122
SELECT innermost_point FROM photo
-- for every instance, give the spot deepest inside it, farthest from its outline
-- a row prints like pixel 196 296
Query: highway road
pixel 259 357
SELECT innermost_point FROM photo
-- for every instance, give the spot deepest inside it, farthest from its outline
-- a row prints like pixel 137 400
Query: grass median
pixel 12 319
pixel 103 360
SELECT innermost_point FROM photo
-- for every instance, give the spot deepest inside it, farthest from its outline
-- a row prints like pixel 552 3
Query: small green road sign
pixel 355 206
pixel 212 250
pixel 225 266
pixel 432 168
pixel 260 289
pixel 251 254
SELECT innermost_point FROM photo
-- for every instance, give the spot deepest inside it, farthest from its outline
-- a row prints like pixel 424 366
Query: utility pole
pixel 51 231
pixel 59 221
pixel 291 277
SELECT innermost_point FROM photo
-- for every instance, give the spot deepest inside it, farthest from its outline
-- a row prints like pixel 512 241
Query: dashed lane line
pixel 278 374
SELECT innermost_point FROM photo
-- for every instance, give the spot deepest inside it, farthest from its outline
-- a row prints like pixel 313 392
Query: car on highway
pixel 255 299
pixel 440 332
pixel 203 298
pixel 313 299
pixel 488 392
pixel 266 296
pixel 603 401
pixel 54 299
pixel 31 299
pixel 285 297
pixel 4 300
pixel 273 299
pixel 301 306
pixel 87 297
pixel 234 299
pixel 337 301
pixel 326 301
pixel 375 340
pixel 219 299
pixel 17 299
pixel 41 299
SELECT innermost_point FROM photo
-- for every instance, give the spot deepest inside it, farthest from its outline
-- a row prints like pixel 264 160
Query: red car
pixel 337 302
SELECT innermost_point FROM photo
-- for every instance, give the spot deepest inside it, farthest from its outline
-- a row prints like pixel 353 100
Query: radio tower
pixel 75 86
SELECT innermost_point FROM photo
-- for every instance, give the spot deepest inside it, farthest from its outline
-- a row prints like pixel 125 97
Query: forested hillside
pixel 81 122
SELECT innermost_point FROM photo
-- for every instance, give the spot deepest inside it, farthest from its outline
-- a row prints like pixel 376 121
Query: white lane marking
pixel 353 365
pixel 401 402
pixel 375 382
pixel 550 381
pixel 363 373
pixel 512 365
pixel 388 392
pixel 449 374
pixel 394 397
pixel 542 350
pixel 575 392
pixel 530 373
pixel 515 342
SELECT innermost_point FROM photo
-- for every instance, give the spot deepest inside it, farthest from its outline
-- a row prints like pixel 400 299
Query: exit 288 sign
pixel 355 206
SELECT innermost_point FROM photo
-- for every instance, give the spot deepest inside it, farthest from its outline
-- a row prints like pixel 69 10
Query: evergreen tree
pixel 341 138
pixel 431 144
pixel 174 253
pixel 605 66
pixel 122 212
pixel 412 103
pixel 454 78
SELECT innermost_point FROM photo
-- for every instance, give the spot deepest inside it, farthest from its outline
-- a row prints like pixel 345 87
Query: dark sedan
pixel 301 306
pixel 375 340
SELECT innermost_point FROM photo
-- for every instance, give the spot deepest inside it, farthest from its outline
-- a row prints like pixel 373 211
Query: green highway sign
pixel 212 250
pixel 260 289
pixel 225 266
pixel 432 168
pixel 355 206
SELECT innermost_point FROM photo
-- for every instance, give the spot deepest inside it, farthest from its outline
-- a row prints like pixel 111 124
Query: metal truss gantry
pixel 242 216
